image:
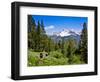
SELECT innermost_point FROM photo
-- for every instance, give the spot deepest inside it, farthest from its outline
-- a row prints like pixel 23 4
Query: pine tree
pixel 56 46
pixel 83 44
pixel 51 44
pixel 31 23
pixel 42 27
pixel 31 31
pixel 38 37
pixel 70 49
pixel 62 46
pixel 43 37
pixel 59 44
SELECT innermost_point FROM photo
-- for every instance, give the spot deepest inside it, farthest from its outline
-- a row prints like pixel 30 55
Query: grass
pixel 54 58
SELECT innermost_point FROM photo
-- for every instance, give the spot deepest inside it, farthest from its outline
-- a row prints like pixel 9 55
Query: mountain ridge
pixel 65 34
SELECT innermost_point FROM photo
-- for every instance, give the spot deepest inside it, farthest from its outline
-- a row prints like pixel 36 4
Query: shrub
pixel 76 59
pixel 32 58
pixel 54 58
pixel 56 54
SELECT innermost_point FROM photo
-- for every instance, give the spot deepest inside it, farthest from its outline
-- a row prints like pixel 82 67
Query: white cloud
pixel 50 27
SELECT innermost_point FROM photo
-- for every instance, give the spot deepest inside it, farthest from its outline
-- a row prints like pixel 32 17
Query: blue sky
pixel 58 23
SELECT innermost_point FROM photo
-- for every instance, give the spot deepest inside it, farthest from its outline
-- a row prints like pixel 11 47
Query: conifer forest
pixel 48 47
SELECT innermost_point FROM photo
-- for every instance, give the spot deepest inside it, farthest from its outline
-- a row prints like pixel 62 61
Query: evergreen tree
pixel 31 31
pixel 46 44
pixel 51 44
pixel 38 37
pixel 59 44
pixel 83 44
pixel 62 46
pixel 70 49
pixel 42 27
pixel 38 28
pixel 31 23
pixel 43 37
pixel 56 46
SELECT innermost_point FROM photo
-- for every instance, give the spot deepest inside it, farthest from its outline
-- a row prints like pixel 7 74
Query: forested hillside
pixel 44 51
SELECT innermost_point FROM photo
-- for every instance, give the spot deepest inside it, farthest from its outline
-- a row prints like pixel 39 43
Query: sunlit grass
pixel 54 58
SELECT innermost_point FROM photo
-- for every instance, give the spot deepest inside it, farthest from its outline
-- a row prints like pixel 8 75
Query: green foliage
pixel 31 32
pixel 54 58
pixel 69 48
pixel 54 61
pixel 32 58
pixel 83 44
pixel 31 23
pixel 62 47
pixel 63 52
pixel 76 59
pixel 56 54
pixel 42 27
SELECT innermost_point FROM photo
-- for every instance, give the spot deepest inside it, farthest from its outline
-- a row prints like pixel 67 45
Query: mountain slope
pixel 65 34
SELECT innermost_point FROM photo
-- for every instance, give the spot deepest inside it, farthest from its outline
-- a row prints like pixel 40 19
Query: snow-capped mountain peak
pixel 65 32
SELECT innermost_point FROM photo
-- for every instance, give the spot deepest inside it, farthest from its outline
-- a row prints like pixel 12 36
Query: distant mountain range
pixel 65 34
